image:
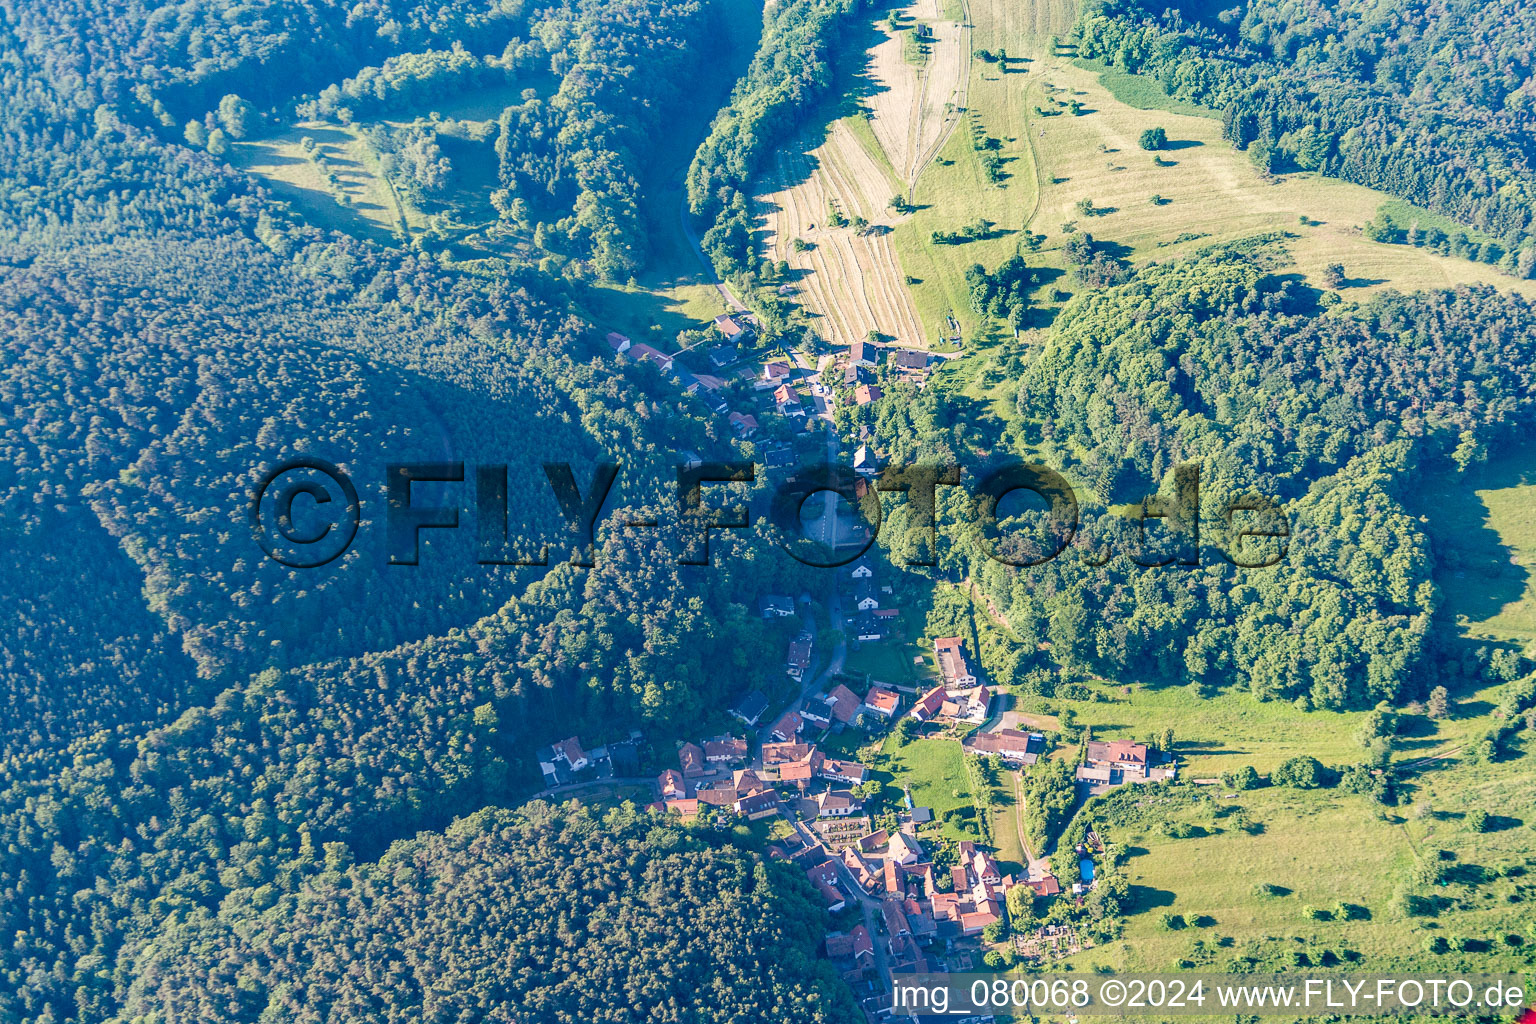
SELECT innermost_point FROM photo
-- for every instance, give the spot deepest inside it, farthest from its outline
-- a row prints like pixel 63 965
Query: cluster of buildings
pixel 720 772
pixel 901 890
pixel 1117 762
pixel 958 698
pixel 863 595
pixel 567 761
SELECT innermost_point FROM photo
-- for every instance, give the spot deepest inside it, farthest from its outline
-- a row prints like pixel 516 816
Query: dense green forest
pixel 550 914
pixel 1435 103
pixel 174 331
pixel 1215 361
pixel 790 74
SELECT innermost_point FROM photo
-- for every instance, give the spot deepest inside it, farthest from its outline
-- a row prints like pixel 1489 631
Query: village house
pixel 618 342
pixel 750 708
pixel 862 353
pixel 882 702
pixel 798 659
pixel 904 849
pixel 836 804
pixel 824 877
pixel 1010 744
pixel 671 785
pixel 856 946
pixel 910 359
pixel 786 752
pixel 723 355
pixel 928 705
pixel 725 750
pixel 839 770
pixel 787 727
pixel 947 651
pixel 647 354
pixel 773 375
pixel 730 326
pixel 864 394
pixel 896 926
pixel 863 872
pixel 980 867
pixel 691 758
pixel 761 804
pixel 800 773
pixel 1118 762
pixel 1047 886
pixel 559 761
pixel 865 462
pixel 845 704
pixel 788 401
pixel 743 425
pixel 775 606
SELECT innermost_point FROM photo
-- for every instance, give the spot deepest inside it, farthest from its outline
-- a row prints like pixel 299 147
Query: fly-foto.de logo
pixel 306 512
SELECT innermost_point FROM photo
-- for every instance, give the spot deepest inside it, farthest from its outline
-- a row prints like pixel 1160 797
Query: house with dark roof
pixel 799 658
pixel 836 804
pixel 775 606
pixel 750 708
pixel 869 627
pixel 817 711
pixel 779 456
pixel 911 359
pixel 761 804
pixel 617 341
pixel 862 353
pixel 723 355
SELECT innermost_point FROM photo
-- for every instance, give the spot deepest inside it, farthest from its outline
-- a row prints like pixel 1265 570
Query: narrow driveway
pixel 730 298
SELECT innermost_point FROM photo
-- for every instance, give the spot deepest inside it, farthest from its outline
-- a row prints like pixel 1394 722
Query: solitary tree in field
pixel 1439 703
pixel 1333 275
pixel 237 116
pixel 1154 139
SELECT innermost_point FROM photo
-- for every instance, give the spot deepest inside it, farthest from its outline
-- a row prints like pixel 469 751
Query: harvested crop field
pixel 914 106
pixel 849 279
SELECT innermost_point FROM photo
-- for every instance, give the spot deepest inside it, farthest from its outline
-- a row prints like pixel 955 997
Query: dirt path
pixel 1035 868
